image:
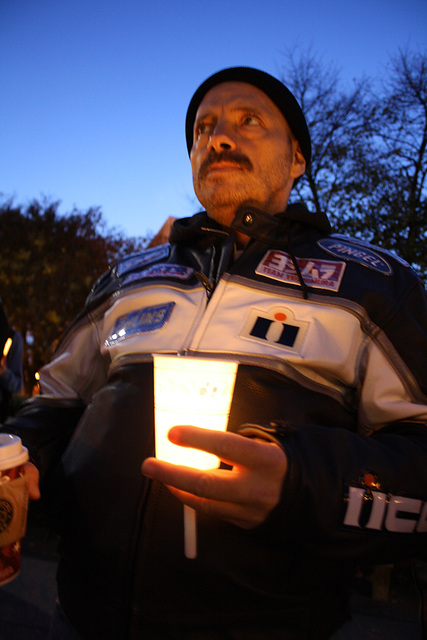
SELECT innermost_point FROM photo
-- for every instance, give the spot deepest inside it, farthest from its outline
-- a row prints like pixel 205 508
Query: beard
pixel 223 194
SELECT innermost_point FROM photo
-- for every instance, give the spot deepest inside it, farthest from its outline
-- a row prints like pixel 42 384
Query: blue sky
pixel 93 93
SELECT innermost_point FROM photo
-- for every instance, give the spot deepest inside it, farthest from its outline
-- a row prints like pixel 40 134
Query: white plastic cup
pixel 191 391
pixel 13 505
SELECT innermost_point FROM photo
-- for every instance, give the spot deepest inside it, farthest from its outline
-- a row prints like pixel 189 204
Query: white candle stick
pixel 190 532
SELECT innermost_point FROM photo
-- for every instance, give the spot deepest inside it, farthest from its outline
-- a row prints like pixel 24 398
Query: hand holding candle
pixel 243 495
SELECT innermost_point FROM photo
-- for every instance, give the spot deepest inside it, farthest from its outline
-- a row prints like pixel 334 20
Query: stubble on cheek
pixel 220 195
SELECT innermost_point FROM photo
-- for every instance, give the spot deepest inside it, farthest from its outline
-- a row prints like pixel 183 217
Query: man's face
pixel 243 152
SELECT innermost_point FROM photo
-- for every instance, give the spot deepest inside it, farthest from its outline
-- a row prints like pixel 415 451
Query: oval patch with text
pixel 356 253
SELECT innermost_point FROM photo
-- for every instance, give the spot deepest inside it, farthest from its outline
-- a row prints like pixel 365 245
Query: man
pixel 324 457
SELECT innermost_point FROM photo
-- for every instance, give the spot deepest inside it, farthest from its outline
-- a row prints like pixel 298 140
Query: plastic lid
pixel 12 453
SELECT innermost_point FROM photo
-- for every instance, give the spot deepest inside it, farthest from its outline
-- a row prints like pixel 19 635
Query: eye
pixel 251 120
pixel 203 128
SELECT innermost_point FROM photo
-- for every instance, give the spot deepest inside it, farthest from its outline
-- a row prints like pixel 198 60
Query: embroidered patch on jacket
pixel 144 320
pixel 370 507
pixel 161 270
pixel 278 327
pixel 356 253
pixel 364 244
pixel 319 274
pixel 140 259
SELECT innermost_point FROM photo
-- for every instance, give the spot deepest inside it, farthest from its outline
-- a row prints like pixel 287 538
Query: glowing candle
pixel 7 346
pixel 191 391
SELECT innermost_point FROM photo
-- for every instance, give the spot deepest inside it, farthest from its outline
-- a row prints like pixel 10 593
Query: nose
pixel 221 138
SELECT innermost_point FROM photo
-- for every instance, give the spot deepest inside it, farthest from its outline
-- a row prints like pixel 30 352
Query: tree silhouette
pixel 48 263
pixel 369 167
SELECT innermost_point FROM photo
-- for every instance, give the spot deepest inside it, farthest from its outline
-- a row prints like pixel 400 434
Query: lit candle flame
pixel 7 346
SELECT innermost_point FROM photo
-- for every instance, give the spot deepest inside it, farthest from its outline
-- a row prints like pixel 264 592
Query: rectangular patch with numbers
pixel 319 274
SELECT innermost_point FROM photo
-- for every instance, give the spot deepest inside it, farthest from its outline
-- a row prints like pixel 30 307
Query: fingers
pixel 207 484
pixel 33 475
pixel 231 448
pixel 228 511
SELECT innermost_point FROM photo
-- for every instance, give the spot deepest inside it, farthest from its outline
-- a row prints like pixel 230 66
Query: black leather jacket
pixel 331 337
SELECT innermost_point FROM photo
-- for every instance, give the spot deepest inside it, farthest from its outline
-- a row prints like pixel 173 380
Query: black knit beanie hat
pixel 275 90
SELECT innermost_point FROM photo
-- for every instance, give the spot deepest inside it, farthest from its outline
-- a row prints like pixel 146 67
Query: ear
pixel 298 161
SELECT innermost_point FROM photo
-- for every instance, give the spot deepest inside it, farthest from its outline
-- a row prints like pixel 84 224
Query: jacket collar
pixel 272 229
pixel 252 222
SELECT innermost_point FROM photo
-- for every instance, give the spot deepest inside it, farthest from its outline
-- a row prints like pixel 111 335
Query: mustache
pixel 225 156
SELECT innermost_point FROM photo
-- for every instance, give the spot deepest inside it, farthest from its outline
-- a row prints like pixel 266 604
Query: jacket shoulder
pixel 112 280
